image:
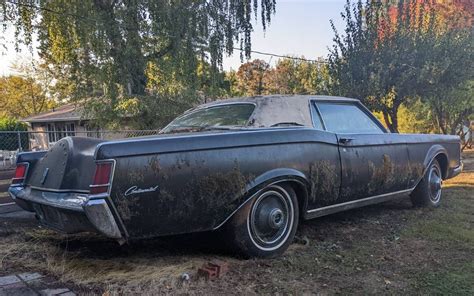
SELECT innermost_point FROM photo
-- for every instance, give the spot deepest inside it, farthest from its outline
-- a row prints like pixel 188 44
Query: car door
pixel 373 162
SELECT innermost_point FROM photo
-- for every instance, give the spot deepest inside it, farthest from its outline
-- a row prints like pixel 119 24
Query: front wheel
pixel 428 192
pixel 266 226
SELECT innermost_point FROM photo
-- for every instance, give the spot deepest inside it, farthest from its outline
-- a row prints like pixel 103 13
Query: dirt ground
pixel 391 248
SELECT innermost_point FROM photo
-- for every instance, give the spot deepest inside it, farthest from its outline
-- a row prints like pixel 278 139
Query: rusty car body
pixel 251 167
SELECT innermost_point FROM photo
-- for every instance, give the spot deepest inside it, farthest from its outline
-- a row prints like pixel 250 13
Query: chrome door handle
pixel 345 140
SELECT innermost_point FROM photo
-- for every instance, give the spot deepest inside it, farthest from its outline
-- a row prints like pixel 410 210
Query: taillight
pixel 102 178
pixel 20 173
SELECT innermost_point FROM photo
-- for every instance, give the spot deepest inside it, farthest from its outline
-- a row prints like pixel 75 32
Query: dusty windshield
pixel 215 117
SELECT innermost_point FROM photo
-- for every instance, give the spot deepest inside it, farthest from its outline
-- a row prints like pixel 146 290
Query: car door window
pixel 316 118
pixel 347 119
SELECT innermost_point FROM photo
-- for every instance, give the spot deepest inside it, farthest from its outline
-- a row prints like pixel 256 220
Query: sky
pixel 298 28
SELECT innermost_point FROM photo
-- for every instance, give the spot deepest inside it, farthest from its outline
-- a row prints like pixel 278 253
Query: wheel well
pixel 301 194
pixel 443 162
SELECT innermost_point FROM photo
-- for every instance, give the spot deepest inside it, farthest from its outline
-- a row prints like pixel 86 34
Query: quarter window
pixel 347 119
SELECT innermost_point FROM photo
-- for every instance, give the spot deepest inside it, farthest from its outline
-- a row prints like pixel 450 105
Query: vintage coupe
pixel 251 167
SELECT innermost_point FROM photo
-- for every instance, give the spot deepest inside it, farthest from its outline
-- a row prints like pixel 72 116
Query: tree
pixel 232 79
pixel 107 46
pixel 389 61
pixel 145 55
pixel 297 76
pixel 22 96
pixel 251 77
pixel 448 77
pixel 452 107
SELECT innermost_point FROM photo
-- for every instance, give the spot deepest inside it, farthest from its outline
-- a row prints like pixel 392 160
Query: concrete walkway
pixel 31 283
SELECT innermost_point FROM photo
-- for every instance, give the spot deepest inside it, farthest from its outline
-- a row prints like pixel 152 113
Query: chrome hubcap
pixel 271 219
pixel 276 218
pixel 435 182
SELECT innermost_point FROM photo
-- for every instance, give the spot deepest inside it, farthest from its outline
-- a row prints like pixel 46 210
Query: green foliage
pixel 412 119
pixel 390 61
pixel 10 124
pixel 449 78
pixel 251 77
pixel 288 76
pixel 22 96
pixel 9 141
pixel 137 48
pixel 291 76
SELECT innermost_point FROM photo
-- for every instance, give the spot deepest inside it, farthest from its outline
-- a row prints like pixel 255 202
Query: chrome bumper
pixel 456 171
pixel 68 212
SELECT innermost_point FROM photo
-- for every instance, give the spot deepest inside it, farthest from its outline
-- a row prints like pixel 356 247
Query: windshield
pixel 212 117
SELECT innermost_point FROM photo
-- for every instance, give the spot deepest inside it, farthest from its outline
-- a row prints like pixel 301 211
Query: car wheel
pixel 266 225
pixel 428 192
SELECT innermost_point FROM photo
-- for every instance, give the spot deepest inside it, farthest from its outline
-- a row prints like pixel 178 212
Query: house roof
pixel 68 112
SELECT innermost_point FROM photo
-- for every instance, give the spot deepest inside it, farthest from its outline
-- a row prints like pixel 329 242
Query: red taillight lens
pixel 20 173
pixel 102 176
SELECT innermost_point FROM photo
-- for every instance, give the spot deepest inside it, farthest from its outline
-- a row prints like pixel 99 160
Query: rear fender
pixel 432 153
pixel 269 178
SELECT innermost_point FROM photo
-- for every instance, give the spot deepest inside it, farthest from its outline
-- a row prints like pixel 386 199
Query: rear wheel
pixel 428 192
pixel 266 226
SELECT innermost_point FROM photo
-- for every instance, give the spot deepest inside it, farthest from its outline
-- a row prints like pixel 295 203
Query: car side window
pixel 347 118
pixel 316 118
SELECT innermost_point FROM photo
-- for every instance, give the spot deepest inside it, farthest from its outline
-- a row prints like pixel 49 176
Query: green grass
pixel 449 231
pixel 457 280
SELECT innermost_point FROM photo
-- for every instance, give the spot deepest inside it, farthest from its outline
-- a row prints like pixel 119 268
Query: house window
pixel 92 132
pixel 57 131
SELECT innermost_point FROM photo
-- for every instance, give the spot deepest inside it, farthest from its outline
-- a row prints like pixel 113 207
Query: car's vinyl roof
pixel 275 109
pixel 261 99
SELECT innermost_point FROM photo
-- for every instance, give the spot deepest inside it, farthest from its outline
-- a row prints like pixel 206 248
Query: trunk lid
pixel 68 166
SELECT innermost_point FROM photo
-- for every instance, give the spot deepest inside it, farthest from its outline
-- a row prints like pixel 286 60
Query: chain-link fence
pixel 12 142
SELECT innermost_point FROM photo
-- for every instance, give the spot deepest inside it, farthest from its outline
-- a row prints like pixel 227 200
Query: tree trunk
pixel 391 120
pixel 134 59
pixel 440 120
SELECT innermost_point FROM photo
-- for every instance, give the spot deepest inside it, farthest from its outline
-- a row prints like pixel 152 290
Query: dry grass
pixel 80 260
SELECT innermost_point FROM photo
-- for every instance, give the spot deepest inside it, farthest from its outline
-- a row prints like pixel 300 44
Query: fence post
pixel 19 142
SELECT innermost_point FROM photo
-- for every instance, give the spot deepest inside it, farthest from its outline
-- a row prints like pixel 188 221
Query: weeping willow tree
pixel 118 49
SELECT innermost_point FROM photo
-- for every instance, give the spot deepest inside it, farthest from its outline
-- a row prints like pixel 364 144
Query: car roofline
pixel 257 99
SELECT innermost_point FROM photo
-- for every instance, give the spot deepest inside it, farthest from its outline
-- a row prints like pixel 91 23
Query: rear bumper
pixel 68 212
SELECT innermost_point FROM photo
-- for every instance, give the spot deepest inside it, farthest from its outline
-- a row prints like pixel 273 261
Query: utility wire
pixel 38 7
pixel 282 56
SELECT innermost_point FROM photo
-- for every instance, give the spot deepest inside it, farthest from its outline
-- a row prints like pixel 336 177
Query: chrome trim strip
pixel 356 203
pixel 457 170
pixel 59 190
pixel 99 185
pixel 74 203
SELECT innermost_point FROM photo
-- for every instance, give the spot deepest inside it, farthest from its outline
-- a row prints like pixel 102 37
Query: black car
pixel 252 167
